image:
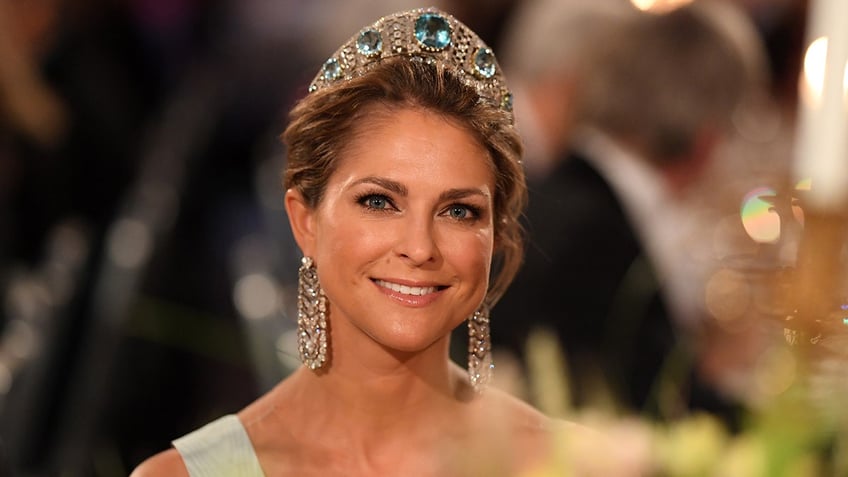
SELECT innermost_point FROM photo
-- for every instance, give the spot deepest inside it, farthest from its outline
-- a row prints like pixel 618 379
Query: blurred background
pixel 147 273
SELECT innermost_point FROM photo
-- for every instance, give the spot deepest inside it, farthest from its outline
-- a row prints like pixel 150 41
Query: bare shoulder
pixel 538 438
pixel 523 429
pixel 167 462
pixel 525 417
pixel 521 415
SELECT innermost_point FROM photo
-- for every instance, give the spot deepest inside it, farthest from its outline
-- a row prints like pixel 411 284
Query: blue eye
pixel 375 201
pixel 458 212
pixel 462 212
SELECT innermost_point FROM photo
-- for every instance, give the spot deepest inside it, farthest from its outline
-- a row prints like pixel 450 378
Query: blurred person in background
pixel 610 265
pixel 544 45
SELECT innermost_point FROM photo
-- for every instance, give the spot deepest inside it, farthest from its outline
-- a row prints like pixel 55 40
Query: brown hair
pixel 323 122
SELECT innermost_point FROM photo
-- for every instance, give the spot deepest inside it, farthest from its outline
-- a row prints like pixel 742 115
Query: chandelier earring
pixel 311 316
pixel 480 366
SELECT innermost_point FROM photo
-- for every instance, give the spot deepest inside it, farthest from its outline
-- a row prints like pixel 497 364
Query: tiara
pixel 428 35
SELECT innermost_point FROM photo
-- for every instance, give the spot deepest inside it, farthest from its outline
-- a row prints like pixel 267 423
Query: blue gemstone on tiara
pixel 429 36
pixel 484 62
pixel 332 69
pixel 369 43
pixel 433 31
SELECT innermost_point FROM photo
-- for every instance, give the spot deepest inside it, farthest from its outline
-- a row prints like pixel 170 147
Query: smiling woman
pixel 403 190
pixel 403 235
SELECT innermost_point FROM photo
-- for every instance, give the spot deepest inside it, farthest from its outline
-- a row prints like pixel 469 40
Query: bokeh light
pixel 21 341
pixel 728 296
pixel 130 243
pixel 255 296
pixel 759 218
pixel 775 371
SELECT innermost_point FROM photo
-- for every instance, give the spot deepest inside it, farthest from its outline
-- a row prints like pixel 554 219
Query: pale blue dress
pixel 221 448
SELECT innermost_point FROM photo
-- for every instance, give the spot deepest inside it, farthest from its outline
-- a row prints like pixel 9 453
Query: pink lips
pixel 409 295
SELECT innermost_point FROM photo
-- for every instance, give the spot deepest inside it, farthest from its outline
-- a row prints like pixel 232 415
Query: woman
pixel 403 186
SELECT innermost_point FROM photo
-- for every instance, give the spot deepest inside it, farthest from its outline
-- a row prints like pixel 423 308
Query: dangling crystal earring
pixel 480 364
pixel 311 316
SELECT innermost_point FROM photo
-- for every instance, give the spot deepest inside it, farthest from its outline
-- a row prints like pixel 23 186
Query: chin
pixel 410 342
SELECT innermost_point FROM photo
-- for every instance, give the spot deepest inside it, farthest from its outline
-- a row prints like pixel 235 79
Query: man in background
pixel 610 265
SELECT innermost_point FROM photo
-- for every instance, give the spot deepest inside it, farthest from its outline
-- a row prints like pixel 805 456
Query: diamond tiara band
pixel 427 35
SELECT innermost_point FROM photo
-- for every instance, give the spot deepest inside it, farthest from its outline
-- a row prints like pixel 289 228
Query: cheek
pixel 486 244
pixel 346 240
pixel 472 252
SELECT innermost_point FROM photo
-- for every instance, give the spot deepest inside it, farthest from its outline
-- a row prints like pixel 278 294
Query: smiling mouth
pixel 408 290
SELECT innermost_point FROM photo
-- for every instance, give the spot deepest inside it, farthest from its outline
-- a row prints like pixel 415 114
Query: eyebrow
pixel 456 194
pixel 390 185
pixel 401 190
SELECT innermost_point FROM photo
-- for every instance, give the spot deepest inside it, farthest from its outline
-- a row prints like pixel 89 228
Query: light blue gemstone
pixel 332 69
pixel 433 31
pixel 369 43
pixel 484 62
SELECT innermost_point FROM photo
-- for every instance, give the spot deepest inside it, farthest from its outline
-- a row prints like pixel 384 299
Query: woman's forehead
pixel 416 141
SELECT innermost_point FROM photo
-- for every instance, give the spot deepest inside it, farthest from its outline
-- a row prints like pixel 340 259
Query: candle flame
pixel 812 83
pixel 658 6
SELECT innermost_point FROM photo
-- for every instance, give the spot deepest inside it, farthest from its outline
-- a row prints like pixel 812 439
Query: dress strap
pixel 221 448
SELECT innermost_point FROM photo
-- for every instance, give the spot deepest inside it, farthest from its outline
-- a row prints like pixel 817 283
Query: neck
pixel 371 408
pixel 367 388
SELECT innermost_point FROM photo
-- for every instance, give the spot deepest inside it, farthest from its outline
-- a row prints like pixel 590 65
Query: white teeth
pixel 417 291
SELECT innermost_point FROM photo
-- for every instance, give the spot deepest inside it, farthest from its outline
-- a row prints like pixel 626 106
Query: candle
pixel 822 148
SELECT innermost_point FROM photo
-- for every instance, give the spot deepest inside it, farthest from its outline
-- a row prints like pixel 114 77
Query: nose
pixel 417 242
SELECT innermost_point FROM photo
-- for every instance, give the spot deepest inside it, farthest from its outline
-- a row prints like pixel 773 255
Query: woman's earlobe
pixel 301 220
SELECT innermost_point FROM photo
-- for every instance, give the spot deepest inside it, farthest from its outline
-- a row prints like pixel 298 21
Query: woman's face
pixel 403 237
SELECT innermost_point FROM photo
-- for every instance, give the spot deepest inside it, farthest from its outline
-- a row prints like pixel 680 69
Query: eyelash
pixel 474 212
pixel 363 199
